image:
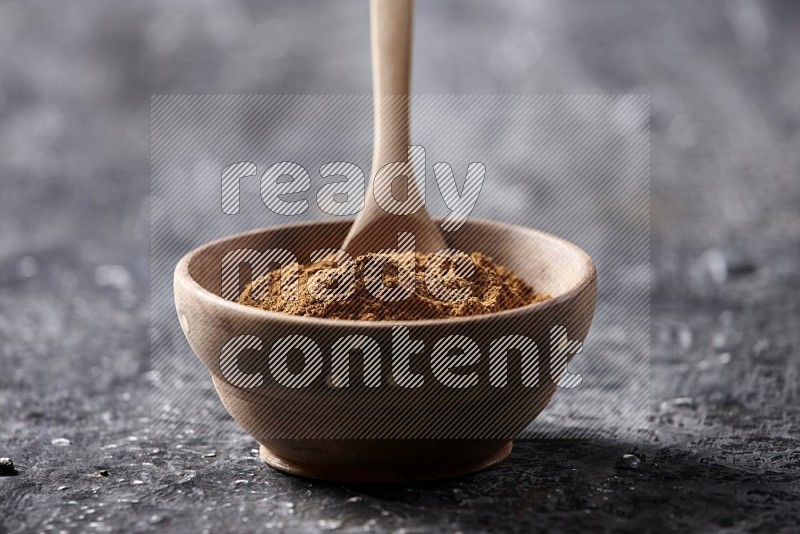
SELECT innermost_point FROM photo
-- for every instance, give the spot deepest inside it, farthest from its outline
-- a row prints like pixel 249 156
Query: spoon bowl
pixel 388 432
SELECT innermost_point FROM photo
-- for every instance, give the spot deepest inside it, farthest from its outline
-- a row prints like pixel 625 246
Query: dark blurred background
pixel 75 85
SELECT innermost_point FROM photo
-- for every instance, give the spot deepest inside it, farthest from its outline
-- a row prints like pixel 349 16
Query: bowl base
pixel 436 461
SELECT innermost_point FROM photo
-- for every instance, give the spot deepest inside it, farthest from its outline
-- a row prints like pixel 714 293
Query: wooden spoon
pixel 374 229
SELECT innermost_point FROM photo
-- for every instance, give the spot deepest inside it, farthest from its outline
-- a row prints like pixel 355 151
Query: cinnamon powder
pixel 490 288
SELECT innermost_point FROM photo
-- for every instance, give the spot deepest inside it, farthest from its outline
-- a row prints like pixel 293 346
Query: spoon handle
pixel 374 229
pixel 391 22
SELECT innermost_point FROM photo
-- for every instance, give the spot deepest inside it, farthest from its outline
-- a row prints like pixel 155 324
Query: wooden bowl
pixel 390 432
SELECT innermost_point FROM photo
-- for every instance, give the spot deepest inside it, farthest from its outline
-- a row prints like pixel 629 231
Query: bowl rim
pixel 586 278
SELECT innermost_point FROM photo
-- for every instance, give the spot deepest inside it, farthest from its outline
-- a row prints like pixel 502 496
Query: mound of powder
pixel 490 288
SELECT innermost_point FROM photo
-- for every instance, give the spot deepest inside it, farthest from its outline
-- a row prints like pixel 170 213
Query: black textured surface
pixel 75 80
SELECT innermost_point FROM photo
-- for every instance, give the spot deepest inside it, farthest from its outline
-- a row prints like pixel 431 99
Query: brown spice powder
pixel 492 288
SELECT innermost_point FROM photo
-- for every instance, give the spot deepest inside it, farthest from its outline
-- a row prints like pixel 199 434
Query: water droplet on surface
pixel 27 267
pixel 678 403
pixel 115 276
pixel 761 346
pixel 684 337
pixel 723 265
pixel 329 524
pixel 629 462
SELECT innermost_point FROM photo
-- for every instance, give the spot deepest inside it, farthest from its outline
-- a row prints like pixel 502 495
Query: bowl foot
pixel 386 461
